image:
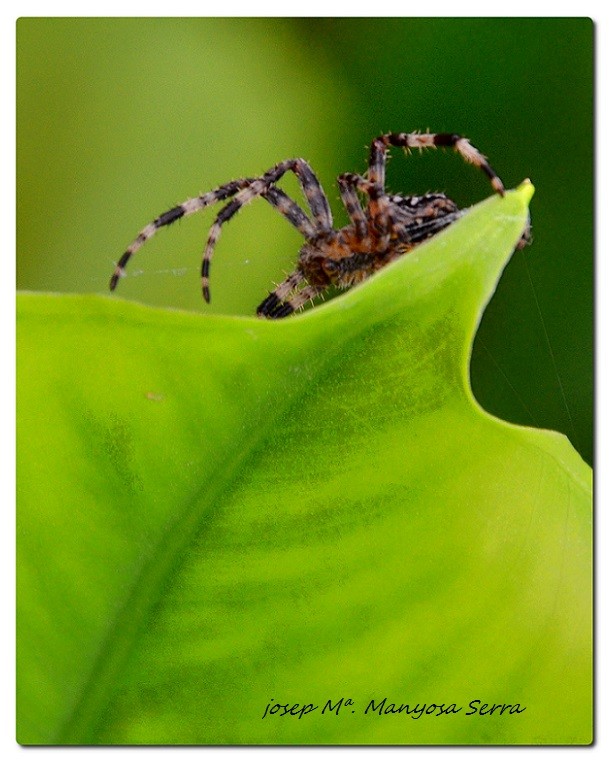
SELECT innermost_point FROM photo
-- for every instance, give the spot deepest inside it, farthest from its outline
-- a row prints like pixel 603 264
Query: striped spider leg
pixel 276 197
pixel 190 206
pixel 416 140
pixel 312 190
pixel 378 212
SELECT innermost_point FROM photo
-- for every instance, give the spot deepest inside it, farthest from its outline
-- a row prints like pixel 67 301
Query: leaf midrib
pixel 147 589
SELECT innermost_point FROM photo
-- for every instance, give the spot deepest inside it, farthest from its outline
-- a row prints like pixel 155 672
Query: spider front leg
pixel 190 206
pixel 416 140
pixel 376 224
pixel 276 298
pixel 277 304
pixel 261 187
pixel 348 184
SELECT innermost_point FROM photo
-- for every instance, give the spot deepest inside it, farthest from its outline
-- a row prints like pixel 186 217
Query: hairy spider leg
pixel 281 292
pixel 378 207
pixel 313 192
pixel 377 225
pixel 296 301
pixel 275 196
pixel 348 186
pixel 282 203
pixel 190 206
pixel 416 140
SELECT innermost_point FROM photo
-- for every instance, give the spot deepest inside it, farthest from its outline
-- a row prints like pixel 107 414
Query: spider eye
pixel 330 265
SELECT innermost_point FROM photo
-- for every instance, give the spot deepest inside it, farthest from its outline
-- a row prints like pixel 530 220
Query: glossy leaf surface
pixel 215 513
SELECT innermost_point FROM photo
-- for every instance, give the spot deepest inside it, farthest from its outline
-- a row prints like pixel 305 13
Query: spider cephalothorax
pixel 380 230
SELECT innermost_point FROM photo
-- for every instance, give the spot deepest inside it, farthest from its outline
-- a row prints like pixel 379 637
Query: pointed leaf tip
pixel 526 190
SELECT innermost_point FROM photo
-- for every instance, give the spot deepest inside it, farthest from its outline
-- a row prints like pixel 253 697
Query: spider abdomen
pixel 417 218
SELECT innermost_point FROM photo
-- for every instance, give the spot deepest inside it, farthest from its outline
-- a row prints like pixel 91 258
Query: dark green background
pixel 120 119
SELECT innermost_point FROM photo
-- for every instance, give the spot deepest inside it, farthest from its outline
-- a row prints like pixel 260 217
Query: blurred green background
pixel 121 119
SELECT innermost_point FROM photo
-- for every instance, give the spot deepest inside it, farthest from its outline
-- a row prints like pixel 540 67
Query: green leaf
pixel 214 513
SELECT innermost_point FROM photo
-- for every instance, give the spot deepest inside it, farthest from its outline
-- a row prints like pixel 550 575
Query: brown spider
pixel 381 231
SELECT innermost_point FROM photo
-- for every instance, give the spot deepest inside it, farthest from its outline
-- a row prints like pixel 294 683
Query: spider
pixel 382 229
